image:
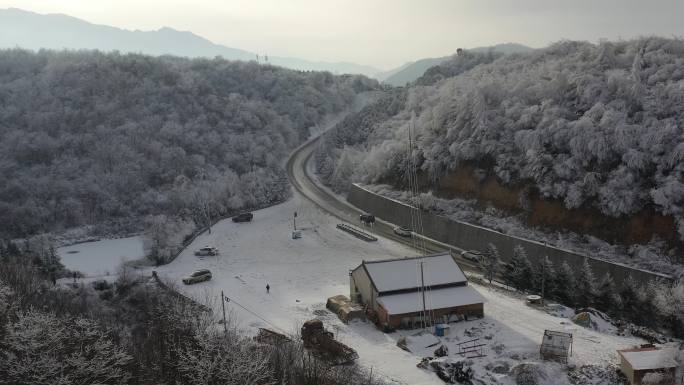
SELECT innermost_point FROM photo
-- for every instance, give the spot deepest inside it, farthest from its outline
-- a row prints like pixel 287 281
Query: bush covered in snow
pixel 87 136
pixel 591 125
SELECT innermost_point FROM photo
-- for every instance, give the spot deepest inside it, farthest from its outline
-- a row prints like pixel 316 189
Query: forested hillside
pixel 409 72
pixel 87 137
pixel 593 126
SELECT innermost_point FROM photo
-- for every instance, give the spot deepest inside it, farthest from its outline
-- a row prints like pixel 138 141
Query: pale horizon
pixel 384 34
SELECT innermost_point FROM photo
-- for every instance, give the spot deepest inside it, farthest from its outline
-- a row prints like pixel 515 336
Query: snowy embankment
pixel 101 258
pixel 650 257
pixel 303 273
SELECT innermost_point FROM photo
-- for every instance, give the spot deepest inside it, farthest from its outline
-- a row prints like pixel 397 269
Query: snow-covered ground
pixel 303 273
pixel 101 258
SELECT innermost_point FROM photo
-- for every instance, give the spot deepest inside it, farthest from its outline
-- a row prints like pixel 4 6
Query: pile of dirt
pixel 595 320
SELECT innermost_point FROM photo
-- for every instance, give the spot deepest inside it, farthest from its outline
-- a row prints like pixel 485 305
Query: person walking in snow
pixel 268 288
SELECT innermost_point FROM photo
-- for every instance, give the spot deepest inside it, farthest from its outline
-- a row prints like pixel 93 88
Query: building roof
pixel 434 299
pixel 649 358
pixel 401 274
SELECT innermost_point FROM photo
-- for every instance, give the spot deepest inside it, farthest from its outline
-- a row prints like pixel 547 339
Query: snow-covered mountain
pixel 411 71
pixel 590 126
pixel 34 31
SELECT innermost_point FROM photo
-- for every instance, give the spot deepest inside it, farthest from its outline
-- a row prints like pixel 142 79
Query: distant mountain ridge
pixel 411 71
pixel 19 28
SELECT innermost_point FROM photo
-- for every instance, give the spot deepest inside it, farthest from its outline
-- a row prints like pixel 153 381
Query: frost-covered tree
pixel 163 237
pixel 631 294
pixel 592 126
pixel 586 286
pixel 607 295
pixel 543 274
pixel 490 262
pixel 669 300
pixel 42 248
pixel 565 284
pixel 40 348
pixel 88 137
pixel 217 358
pixel 518 272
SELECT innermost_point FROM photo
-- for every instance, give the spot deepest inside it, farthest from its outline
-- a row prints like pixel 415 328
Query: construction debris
pixel 268 336
pixel 323 344
pixel 344 308
pixel 442 351
pixel 453 372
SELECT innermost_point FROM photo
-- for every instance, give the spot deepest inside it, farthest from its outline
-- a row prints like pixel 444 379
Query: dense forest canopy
pixel 88 136
pixel 592 125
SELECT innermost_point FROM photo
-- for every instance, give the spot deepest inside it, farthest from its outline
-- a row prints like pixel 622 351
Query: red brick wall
pixel 475 310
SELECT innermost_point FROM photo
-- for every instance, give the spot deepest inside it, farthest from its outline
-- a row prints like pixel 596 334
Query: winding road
pixel 300 178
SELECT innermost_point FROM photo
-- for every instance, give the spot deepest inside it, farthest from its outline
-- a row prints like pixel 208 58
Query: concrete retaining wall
pixel 471 237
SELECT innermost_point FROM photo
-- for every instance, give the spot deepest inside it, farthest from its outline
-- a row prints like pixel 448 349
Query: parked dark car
pixel 244 217
pixel 197 276
pixel 367 218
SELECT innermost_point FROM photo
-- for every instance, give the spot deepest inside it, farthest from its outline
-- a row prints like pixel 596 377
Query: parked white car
pixel 206 250
pixel 472 255
pixel 403 231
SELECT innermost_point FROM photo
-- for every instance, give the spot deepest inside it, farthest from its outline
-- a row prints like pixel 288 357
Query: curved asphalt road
pixel 301 180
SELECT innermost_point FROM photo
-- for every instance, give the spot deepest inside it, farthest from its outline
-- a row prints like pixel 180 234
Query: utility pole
pixel 223 305
pixel 422 290
pixel 543 279
pixel 294 221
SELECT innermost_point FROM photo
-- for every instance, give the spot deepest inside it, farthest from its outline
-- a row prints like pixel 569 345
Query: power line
pixel 228 299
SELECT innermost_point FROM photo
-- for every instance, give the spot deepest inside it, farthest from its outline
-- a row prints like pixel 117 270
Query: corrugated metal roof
pixel 434 299
pixel 399 274
pixel 650 359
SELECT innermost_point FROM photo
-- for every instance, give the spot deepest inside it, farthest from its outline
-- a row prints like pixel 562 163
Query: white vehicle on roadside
pixel 403 231
pixel 472 255
pixel 206 251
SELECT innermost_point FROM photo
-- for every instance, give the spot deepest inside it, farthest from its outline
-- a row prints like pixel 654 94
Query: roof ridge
pixel 407 258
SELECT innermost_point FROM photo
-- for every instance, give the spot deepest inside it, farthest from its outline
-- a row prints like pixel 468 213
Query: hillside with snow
pixel 593 127
pixel 89 138
pixel 409 72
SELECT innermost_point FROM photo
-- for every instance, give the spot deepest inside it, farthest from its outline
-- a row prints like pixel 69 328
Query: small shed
pixel 442 330
pixel 636 363
pixel 556 346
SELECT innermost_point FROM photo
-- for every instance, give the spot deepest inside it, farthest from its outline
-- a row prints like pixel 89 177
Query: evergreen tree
pixel 650 313
pixel 607 297
pixel 518 272
pixel 490 262
pixel 543 274
pixel 586 286
pixel 565 284
pixel 12 249
pixel 670 302
pixel 631 300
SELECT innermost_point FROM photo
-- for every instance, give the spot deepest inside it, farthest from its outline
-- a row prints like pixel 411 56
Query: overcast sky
pixel 382 33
